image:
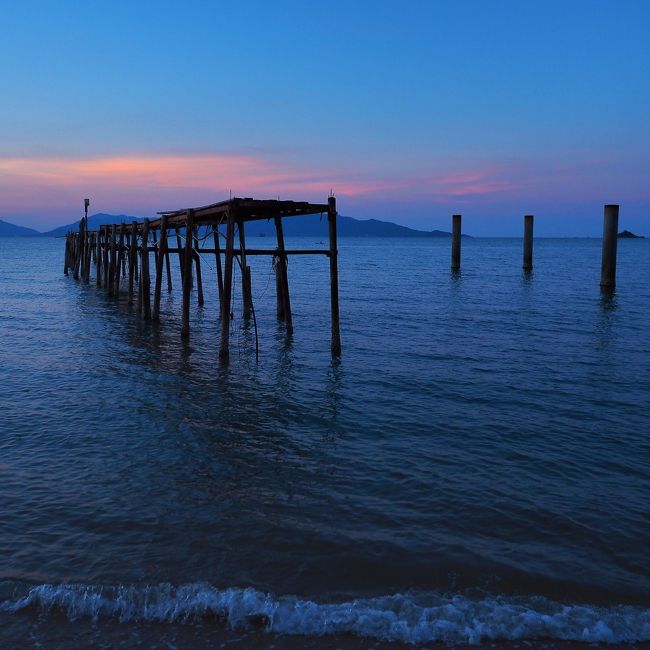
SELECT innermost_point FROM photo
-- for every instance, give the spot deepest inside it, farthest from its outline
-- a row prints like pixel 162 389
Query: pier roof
pixel 246 209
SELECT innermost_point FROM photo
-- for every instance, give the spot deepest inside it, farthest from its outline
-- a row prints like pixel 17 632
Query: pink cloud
pixel 46 189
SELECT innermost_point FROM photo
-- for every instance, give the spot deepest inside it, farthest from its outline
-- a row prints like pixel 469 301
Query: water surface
pixel 475 467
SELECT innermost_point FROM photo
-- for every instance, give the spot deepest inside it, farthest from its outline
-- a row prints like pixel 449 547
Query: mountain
pixel 305 226
pixel 10 230
pixel 312 226
pixel 94 221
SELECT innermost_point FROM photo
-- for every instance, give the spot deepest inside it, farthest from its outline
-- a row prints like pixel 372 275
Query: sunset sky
pixel 408 111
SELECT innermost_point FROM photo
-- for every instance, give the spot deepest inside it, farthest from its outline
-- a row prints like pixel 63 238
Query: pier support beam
pixel 105 257
pixel 113 261
pixel 282 279
pixel 455 242
pixel 334 277
pixel 85 264
pixel 528 242
pixel 197 265
pixel 224 351
pixel 247 300
pixel 133 251
pixel 162 256
pixel 79 253
pixel 98 259
pixel 169 271
pixel 217 255
pixel 120 261
pixel 145 281
pixel 187 275
pixel 610 240
pixel 66 254
pixel 179 247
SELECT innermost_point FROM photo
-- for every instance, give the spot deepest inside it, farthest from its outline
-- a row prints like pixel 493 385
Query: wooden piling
pixel 217 255
pixel 248 281
pixel 179 246
pixel 610 241
pixel 197 264
pixel 528 242
pixel 279 299
pixel 162 255
pixel 281 268
pixel 66 254
pixel 106 257
pixel 98 259
pixel 224 345
pixel 79 249
pixel 133 253
pixel 455 242
pixel 144 272
pixel 120 261
pixel 112 261
pixel 187 275
pixel 169 272
pixel 85 275
pixel 155 247
pixel 334 277
pixel 247 302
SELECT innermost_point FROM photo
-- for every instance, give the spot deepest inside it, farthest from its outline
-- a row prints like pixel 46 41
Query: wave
pixel 410 618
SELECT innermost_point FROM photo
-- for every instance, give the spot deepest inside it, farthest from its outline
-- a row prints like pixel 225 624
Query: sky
pixel 407 111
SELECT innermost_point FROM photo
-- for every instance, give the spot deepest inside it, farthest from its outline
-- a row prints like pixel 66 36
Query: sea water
pixel 476 467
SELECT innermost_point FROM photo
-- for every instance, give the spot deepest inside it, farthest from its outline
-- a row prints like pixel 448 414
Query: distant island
pixel 626 234
pixel 304 226
pixel 11 230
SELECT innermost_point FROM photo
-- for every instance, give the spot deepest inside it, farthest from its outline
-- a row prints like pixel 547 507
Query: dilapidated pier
pixel 119 256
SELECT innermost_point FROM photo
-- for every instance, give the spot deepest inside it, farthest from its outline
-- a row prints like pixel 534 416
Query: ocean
pixel 475 468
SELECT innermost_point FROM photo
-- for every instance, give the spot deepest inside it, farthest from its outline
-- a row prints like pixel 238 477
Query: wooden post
pixel 133 252
pixel 528 242
pixel 169 271
pixel 187 275
pixel 120 259
pixel 334 277
pixel 279 298
pixel 144 272
pixel 247 280
pixel 179 246
pixel 245 277
pixel 224 351
pixel 106 257
pixel 197 263
pixel 155 246
pixel 98 259
pixel 79 251
pixel 162 255
pixel 281 269
pixel 217 255
pixel 610 241
pixel 66 254
pixel 113 260
pixel 455 242
pixel 85 268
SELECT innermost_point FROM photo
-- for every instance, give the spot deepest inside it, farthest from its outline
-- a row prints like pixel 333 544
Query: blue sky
pixel 409 111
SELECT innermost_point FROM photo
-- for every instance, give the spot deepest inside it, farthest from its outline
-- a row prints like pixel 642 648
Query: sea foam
pixel 410 618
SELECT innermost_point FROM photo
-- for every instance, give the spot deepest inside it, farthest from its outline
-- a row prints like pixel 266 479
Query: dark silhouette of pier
pixel 117 248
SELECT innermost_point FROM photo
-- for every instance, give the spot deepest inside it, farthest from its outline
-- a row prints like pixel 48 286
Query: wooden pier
pixel 118 250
